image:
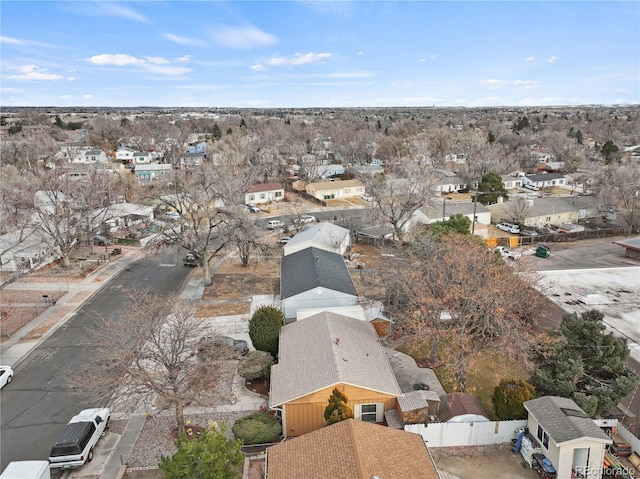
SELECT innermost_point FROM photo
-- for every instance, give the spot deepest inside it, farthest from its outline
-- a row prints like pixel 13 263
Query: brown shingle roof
pixel 264 187
pixel 351 449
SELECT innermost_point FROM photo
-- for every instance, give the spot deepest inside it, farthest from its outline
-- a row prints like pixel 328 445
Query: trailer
pixel 26 470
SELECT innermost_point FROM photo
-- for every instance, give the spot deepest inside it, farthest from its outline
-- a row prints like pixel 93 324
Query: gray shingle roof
pixel 434 209
pixel 544 176
pixel 563 420
pixel 327 349
pixel 312 267
pixel 324 233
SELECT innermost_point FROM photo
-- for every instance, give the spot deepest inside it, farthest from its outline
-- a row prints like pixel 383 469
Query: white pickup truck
pixel 75 445
pixel 507 254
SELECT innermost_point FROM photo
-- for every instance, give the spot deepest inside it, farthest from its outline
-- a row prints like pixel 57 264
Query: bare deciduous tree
pixel 147 356
pixel 465 298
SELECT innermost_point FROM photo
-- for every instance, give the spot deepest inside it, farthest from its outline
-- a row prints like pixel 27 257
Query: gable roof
pixel 328 349
pixel 324 233
pixel 563 420
pixel 264 187
pixel 459 404
pixel 540 207
pixel 433 209
pixel 351 449
pixel 313 267
pixel 544 177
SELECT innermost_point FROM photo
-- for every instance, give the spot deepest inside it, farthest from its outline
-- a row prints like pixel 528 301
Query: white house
pixel 315 278
pixel 567 436
pixel 125 154
pixel 142 157
pixel 46 201
pixel 329 190
pixel 544 180
pixel 325 236
pixel 264 193
pixel 152 172
pixel 26 250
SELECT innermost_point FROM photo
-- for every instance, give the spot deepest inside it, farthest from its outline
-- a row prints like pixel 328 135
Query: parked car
pixel 172 215
pixel 254 209
pixel 6 375
pixel 275 224
pixel 211 345
pixel 190 260
pixel 74 446
pixel 102 240
pixel 284 239
pixel 508 227
pixel 507 254
pixel 304 219
pixel 366 197
pixel 528 233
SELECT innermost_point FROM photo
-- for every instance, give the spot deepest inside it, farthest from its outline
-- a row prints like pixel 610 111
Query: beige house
pixel 535 213
pixel 330 190
pixel 328 351
pixel 567 436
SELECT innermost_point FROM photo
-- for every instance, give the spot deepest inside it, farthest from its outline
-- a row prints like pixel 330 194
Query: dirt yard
pixel 486 462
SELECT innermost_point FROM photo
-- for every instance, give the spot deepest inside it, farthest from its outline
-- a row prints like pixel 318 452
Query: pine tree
pixel 508 397
pixel 264 329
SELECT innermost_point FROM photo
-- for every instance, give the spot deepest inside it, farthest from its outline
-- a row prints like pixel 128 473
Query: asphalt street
pixel 39 403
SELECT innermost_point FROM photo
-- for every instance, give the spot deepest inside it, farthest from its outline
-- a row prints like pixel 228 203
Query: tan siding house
pixel 330 190
pixel 328 351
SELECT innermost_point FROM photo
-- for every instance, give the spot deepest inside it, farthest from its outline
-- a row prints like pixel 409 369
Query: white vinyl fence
pixel 628 436
pixel 448 434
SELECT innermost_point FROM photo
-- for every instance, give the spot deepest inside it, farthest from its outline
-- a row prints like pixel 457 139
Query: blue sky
pixel 319 53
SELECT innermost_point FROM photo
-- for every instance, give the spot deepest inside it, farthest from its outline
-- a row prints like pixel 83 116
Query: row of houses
pixel 330 341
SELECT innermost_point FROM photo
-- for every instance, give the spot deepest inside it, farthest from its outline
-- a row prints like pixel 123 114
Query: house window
pixel 369 412
pixel 543 437
pixel 347 191
pixel 539 433
pixel 252 197
pixel 263 196
pixel 278 194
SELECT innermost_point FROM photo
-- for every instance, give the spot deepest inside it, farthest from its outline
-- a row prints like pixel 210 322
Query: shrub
pixel 257 428
pixel 255 365
pixel 338 408
pixel 508 397
pixel 264 329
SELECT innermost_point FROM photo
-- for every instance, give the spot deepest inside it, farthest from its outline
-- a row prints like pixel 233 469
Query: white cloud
pixel 298 59
pixel 11 40
pixel 33 72
pixel 552 59
pixel 66 97
pixel 428 56
pixel 183 59
pixel 529 59
pixel 116 10
pixel 494 84
pixel 258 67
pixel 157 60
pixel 158 65
pixel 355 74
pixel 119 59
pixel 360 53
pixel 182 40
pixel 243 38
pixel 87 97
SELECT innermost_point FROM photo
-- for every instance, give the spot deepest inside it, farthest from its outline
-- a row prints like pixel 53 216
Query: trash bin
pixel 543 251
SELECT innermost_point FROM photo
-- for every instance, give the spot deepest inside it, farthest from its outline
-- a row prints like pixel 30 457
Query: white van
pixel 275 224
pixel 508 227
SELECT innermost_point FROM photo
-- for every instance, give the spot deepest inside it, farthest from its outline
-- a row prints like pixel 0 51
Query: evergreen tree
pixel 609 150
pixel 216 133
pixel 457 223
pixel 209 456
pixel 264 329
pixel 491 186
pixel 338 408
pixel 589 367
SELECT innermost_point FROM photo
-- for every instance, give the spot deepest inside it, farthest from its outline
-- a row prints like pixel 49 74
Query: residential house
pixel 47 201
pixel 329 190
pixel 571 440
pixel 447 181
pixel 535 213
pixel 142 157
pixel 441 209
pixel 124 154
pixel 315 278
pixel 95 155
pixel 192 158
pixel 25 250
pixel 82 155
pixel 200 147
pixel 367 170
pixel 264 193
pixel 325 236
pixel 351 449
pixel 511 182
pixel 544 180
pixel 325 171
pixel 123 215
pixel 152 172
pixel 324 352
pixel 461 407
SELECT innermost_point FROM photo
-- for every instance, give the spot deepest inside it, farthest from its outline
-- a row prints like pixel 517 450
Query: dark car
pixel 218 347
pixel 190 260
pixel 101 240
